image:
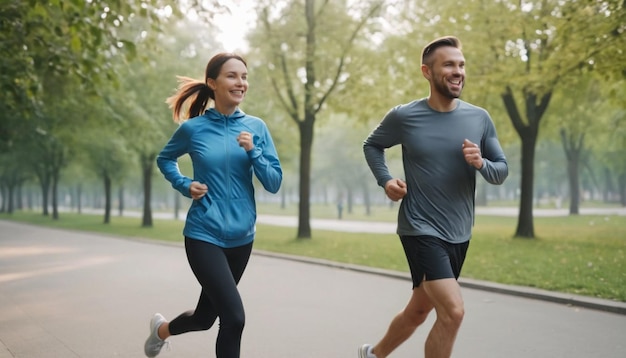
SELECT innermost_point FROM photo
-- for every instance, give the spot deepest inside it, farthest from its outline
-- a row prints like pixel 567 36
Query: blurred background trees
pixel 82 112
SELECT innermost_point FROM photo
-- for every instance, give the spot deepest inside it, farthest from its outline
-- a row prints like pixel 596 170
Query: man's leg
pixel 445 294
pixel 405 323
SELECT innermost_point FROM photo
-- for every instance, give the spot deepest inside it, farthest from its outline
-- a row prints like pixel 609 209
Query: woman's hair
pixel 437 43
pixel 198 92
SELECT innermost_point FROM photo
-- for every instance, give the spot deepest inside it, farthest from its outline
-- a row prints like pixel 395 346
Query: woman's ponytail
pixel 192 90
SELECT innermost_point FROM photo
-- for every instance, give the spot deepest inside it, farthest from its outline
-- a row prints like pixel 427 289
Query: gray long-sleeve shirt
pixel 440 184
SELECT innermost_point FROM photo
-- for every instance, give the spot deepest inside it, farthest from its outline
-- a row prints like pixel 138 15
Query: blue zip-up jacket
pixel 226 215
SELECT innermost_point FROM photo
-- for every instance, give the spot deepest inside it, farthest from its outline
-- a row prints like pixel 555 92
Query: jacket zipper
pixel 228 183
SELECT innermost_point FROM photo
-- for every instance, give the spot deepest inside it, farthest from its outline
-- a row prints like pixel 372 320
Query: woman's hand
pixel 245 140
pixel 197 190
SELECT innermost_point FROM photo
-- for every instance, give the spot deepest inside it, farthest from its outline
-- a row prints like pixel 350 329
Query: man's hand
pixel 197 190
pixel 471 152
pixel 395 189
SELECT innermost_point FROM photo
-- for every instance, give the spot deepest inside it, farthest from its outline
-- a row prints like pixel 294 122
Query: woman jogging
pixel 226 146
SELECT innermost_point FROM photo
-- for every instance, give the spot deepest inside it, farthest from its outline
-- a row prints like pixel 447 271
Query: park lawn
pixel 583 255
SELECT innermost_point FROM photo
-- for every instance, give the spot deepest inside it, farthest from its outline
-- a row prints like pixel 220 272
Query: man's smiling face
pixel 447 71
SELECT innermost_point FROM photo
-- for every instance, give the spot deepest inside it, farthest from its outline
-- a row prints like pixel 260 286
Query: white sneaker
pixel 153 344
pixel 365 351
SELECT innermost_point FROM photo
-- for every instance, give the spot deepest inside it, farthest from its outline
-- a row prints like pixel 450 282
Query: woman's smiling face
pixel 230 86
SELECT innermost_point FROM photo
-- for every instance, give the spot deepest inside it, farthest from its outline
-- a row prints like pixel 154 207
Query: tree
pixel 106 152
pixel 301 77
pixel 58 47
pixel 580 118
pixel 611 147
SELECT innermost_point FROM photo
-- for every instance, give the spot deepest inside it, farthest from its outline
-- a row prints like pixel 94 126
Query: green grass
pixel 329 211
pixel 584 255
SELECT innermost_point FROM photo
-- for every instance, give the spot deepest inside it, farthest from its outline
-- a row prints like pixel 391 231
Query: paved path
pixel 67 294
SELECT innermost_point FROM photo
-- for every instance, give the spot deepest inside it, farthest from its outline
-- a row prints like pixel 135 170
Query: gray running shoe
pixel 365 351
pixel 154 344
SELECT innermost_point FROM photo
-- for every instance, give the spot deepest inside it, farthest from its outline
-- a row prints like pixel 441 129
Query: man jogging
pixel 445 141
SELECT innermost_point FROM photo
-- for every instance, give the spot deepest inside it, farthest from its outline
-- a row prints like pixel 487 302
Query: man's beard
pixel 445 91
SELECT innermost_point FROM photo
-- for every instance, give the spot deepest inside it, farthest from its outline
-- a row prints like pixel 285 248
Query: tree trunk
pixel 120 200
pixel 573 148
pixel 55 195
pixel 574 186
pixel 525 224
pixel 527 131
pixel 11 187
pixel 57 161
pixel 19 193
pixel 79 198
pixel 44 182
pixel 147 165
pixel 107 198
pixel 10 196
pixel 3 197
pixel 304 212
pixel 307 126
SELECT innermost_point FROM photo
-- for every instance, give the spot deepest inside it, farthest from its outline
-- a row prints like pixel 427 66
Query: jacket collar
pixel 212 113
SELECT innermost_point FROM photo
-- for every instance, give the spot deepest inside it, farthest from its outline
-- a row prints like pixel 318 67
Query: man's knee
pixel 415 317
pixel 452 314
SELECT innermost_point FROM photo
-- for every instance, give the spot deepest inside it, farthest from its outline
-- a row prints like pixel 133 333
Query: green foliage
pixel 96 69
pixel 534 45
pixel 75 41
pixel 308 56
pixel 52 51
pixel 66 95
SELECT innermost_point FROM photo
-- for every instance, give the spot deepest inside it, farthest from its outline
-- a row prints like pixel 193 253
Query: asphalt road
pixel 72 294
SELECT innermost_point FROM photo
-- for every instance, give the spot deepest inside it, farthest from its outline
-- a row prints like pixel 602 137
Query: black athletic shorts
pixel 432 258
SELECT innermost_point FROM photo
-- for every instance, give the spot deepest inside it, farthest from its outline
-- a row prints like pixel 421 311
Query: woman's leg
pixel 218 271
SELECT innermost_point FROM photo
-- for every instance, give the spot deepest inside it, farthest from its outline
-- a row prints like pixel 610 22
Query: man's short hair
pixel 429 49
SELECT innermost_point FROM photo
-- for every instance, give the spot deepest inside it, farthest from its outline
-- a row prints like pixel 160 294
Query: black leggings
pixel 218 271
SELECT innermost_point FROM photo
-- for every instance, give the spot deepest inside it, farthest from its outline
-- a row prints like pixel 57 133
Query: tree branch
pixel 511 108
pixel 292 106
pixel 346 49
pixel 292 113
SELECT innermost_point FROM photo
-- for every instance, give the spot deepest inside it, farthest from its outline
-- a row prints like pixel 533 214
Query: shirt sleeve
pixel 167 160
pixel 495 167
pixel 265 162
pixel 385 135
